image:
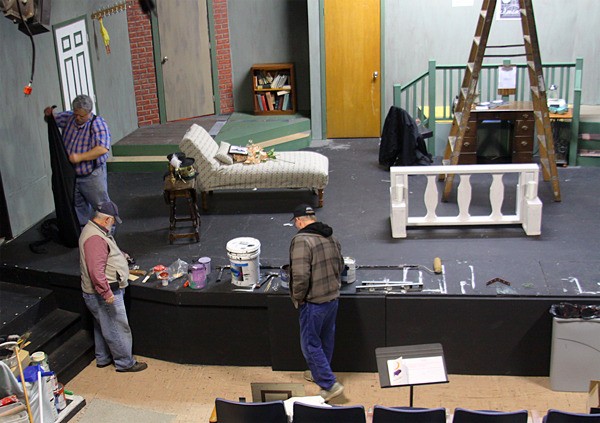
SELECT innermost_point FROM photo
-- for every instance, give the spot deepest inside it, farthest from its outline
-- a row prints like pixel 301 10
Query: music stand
pixel 411 365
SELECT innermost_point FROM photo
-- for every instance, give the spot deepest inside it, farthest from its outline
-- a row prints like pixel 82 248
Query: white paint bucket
pixel 243 256
pixel 349 273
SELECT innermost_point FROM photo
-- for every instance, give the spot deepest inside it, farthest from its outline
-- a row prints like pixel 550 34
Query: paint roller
pixel 437 265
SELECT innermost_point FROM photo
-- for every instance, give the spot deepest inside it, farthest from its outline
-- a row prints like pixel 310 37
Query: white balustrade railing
pixel 528 208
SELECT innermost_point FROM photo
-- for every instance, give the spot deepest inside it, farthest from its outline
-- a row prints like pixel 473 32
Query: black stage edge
pixel 494 329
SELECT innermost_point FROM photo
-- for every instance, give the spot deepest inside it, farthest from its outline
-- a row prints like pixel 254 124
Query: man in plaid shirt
pixel 87 142
pixel 316 265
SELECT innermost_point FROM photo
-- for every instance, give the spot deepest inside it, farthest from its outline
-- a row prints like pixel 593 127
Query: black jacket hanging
pixel 401 142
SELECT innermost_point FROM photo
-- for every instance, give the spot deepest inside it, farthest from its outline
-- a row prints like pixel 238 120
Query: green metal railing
pixel 421 95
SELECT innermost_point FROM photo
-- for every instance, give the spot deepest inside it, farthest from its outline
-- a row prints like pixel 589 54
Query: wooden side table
pixel 185 190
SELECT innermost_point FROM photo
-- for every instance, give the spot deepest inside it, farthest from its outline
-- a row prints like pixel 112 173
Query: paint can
pixel 198 276
pixel 60 401
pixel 206 262
pixel 40 357
pixel 243 256
pixel 349 273
pixel 284 275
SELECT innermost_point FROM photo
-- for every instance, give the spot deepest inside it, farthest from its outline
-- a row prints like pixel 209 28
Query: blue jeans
pixel 317 340
pixel 112 335
pixel 90 191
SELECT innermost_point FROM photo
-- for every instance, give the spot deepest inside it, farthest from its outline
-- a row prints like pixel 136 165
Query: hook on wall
pixel 110 10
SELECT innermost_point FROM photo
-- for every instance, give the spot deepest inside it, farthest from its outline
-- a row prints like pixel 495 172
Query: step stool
pixel 186 190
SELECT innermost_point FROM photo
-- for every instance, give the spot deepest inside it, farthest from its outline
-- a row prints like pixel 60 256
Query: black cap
pixel 303 210
pixel 110 209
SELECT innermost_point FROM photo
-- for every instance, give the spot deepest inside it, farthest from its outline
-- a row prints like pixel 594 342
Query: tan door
pixel 186 65
pixel 352 68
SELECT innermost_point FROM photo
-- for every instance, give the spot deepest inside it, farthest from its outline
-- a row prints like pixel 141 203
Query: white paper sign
pixel 416 371
pixel 507 77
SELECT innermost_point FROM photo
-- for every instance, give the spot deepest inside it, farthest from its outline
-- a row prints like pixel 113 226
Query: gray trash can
pixel 575 356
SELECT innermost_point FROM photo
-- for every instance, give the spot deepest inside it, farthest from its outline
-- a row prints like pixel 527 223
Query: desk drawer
pixel 469 145
pixel 524 127
pixel 471 129
pixel 468 158
pixel 522 144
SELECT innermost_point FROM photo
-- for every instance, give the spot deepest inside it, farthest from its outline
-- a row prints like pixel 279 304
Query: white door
pixel 74 61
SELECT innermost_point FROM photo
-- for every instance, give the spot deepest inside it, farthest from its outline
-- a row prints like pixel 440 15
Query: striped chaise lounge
pixel 290 169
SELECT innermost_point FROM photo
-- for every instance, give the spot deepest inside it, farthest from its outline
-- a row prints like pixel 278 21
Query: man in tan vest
pixel 104 275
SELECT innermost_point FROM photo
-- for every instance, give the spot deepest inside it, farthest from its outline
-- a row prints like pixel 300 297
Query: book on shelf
pixel 286 102
pixel 264 103
pixel 259 101
pixel 270 100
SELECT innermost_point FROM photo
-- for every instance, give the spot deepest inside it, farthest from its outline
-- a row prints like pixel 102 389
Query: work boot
pixel 308 376
pixel 332 392
pixel 137 367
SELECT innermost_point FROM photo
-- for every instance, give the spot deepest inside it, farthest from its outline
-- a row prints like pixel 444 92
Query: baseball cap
pixel 110 209
pixel 303 210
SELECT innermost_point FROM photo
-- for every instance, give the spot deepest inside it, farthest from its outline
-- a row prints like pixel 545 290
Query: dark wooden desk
pixel 520 114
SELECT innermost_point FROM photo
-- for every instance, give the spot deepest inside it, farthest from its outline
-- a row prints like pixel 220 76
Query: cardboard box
pixel 25 360
pixel 593 402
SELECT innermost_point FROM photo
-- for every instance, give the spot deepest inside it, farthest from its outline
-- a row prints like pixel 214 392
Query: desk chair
pixel 305 413
pixel 462 415
pixel 383 414
pixel 557 416
pixel 250 412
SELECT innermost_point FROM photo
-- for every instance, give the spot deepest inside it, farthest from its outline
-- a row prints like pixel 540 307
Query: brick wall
pixel 223 55
pixel 142 64
pixel 144 71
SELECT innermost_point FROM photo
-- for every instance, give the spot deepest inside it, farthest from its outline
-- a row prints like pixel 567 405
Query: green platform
pixel 145 150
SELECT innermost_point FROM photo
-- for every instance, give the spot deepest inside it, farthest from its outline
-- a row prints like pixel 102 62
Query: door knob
pixel 164 60
pixel 375 75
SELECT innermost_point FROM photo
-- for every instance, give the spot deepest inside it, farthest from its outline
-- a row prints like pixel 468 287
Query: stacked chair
pixel 383 414
pixel 305 413
pixel 250 412
pixel 557 416
pixel 274 412
pixel 463 415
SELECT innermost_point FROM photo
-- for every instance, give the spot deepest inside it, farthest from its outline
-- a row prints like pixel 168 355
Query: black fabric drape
pixel 63 188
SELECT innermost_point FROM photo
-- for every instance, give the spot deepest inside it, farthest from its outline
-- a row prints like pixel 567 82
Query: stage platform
pixel 494 328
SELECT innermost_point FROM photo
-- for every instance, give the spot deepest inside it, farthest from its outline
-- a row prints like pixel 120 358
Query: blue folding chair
pixel 250 412
pixel 463 415
pixel 557 416
pixel 305 413
pixel 383 414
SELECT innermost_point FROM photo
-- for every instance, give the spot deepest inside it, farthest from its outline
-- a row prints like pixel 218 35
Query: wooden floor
pixel 189 391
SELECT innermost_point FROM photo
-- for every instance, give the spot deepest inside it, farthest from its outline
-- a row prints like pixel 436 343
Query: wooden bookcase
pixel 273 88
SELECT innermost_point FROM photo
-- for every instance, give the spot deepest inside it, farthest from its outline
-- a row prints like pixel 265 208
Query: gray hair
pixel 84 102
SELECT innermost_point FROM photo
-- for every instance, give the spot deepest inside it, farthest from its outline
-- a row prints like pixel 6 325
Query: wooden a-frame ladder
pixel 468 92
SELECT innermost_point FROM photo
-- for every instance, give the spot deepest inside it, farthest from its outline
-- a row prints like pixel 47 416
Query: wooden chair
pixel 463 415
pixel 185 190
pixel 383 414
pixel 305 413
pixel 557 416
pixel 250 412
